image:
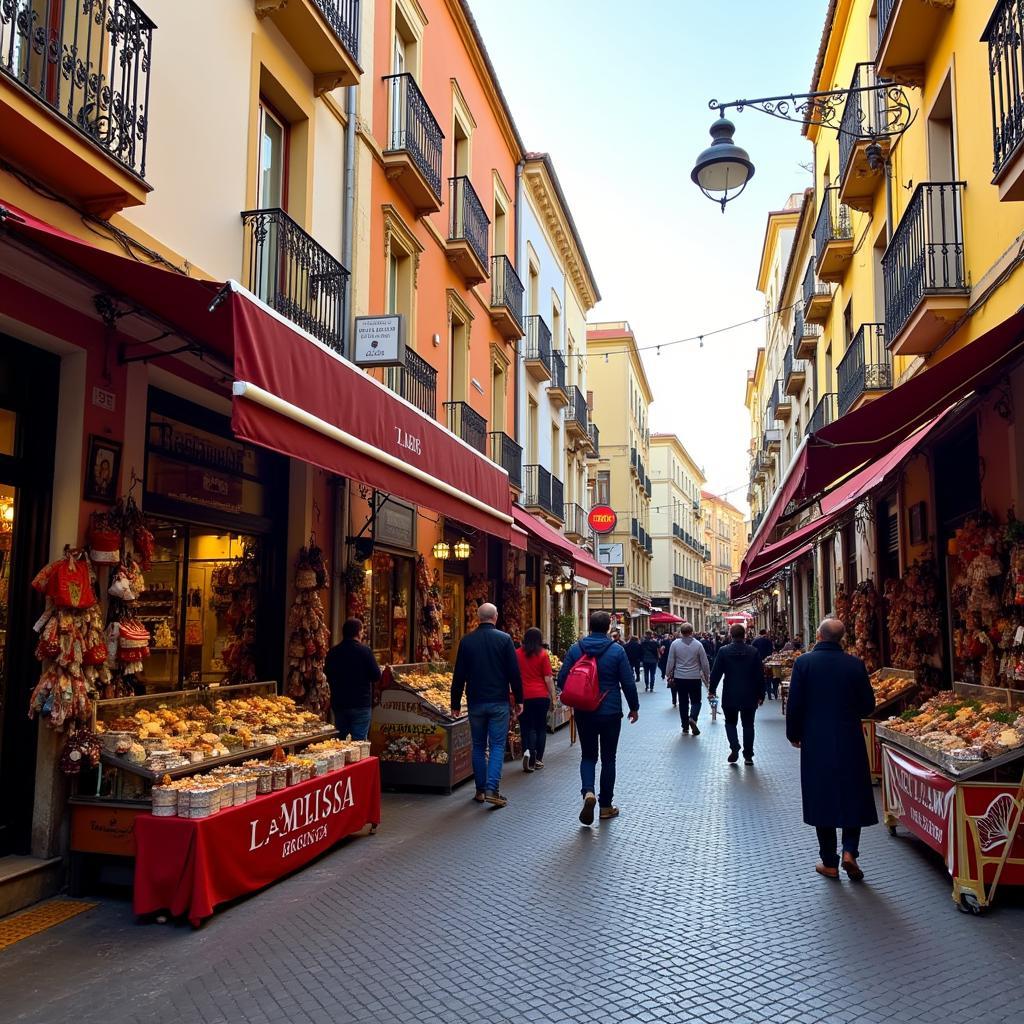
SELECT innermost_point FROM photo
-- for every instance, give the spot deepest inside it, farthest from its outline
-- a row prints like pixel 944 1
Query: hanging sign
pixel 602 519
pixel 379 340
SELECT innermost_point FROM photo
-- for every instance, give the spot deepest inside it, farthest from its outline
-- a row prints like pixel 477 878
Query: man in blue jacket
pixel 765 648
pixel 742 693
pixel 599 730
pixel 487 668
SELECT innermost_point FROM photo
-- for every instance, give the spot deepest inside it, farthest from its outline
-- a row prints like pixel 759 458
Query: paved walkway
pixel 700 903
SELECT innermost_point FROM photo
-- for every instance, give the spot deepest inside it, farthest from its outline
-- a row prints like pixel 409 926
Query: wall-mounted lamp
pixel 462 550
pixel 441 550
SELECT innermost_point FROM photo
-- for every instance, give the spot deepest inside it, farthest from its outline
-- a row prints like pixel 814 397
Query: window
pixel 556 326
pixel 460 148
pixel 532 428
pixel 498 395
pixel 500 227
pixel 602 486
pixel 534 288
pixel 620 576
pixel 272 187
pixel 458 360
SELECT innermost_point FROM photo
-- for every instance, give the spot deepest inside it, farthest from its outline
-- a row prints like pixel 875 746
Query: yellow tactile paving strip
pixel 38 919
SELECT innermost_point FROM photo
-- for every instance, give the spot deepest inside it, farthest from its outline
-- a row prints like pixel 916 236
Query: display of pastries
pixel 888 686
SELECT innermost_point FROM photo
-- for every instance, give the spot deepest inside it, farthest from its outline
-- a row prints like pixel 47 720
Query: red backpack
pixel 582 688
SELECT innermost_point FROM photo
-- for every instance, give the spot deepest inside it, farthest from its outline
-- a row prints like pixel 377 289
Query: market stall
pixel 952 771
pixel 419 742
pixel 780 666
pixel 894 689
pixel 559 715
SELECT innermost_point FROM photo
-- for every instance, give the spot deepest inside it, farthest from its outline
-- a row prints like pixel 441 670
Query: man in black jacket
pixel 765 647
pixel 351 671
pixel 743 692
pixel 487 668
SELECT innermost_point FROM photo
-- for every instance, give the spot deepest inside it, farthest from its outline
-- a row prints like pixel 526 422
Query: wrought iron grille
pixel 772 405
pixel 537 487
pixel 824 413
pixel 813 287
pixel 790 364
pixel 865 115
pixel 467 221
pixel 833 223
pixel 465 422
pixel 414 129
pixel 926 254
pixel 1005 38
pixel 634 529
pixel 506 288
pixel 343 17
pixel 557 371
pixel 537 343
pixel 295 275
pixel 89 61
pixel 416 382
pixel 557 497
pixel 575 519
pixel 884 13
pixel 509 455
pixel 577 409
pixel 866 366
pixel 595 439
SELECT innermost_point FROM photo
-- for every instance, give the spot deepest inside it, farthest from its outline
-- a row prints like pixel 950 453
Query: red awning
pixel 584 564
pixel 755 580
pixel 665 619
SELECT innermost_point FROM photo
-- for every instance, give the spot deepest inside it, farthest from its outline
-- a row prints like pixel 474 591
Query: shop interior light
pixel 462 550
pixel 6 511
pixel 442 550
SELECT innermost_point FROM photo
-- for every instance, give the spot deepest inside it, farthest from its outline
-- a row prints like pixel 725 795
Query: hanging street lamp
pixel 723 170
pixel 441 551
pixel 462 550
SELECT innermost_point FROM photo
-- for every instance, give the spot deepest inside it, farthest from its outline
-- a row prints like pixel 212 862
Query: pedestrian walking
pixel 765 648
pixel 538 698
pixel 649 660
pixel 829 694
pixel 688 668
pixel 739 665
pixel 633 653
pixel 708 643
pixel 487 669
pixel 599 730
pixel 351 671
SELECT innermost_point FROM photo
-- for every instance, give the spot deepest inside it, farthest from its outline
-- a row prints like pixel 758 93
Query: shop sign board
pixel 103 828
pixel 405 729
pixel 602 519
pixel 395 523
pixel 379 340
pixel 611 556
pixel 920 798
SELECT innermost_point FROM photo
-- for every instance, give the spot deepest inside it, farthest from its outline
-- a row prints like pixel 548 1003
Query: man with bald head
pixel 487 670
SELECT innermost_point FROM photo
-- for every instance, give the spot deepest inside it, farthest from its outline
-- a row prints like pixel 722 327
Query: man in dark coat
pixel 742 693
pixel 765 647
pixel 829 694
pixel 634 655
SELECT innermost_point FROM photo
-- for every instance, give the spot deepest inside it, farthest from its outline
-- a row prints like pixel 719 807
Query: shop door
pixel 28 419
pixel 453 614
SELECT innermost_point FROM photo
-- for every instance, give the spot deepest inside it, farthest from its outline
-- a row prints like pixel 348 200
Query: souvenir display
pixel 309 638
pixel 428 589
pixel 513 609
pixel 843 613
pixel 914 619
pixel 237 582
pixel 355 587
pixel 433 683
pixel 477 593
pixel 864 609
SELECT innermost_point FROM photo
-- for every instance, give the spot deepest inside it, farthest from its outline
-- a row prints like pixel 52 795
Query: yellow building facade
pixel 725 541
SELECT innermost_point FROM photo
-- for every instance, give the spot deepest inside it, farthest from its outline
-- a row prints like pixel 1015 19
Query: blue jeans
pixel 827 845
pixel 488 725
pixel 649 674
pixel 354 722
pixel 598 732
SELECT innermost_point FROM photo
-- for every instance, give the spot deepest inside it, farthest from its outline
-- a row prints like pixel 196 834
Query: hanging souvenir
pixel 309 637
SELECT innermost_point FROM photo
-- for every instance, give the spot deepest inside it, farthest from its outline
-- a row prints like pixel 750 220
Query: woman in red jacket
pixel 538 696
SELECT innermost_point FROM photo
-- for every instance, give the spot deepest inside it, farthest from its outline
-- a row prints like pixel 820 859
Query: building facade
pixel 619 475
pixel 724 540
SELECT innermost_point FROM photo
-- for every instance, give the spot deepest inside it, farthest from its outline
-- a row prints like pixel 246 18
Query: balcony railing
pixel 647 487
pixel 1005 38
pixel 864 116
pixel 343 17
pixel 790 364
pixel 537 343
pixel 825 412
pixel 634 529
pixel 772 405
pixel 414 129
pixel 575 518
pixel 577 411
pixel 295 275
pixel 833 223
pixel 557 371
pixel 884 13
pixel 509 455
pixel 537 488
pixel 416 382
pixel 467 221
pixel 88 61
pixel 926 254
pixel 595 439
pixel 506 288
pixel 866 366
pixel 649 544
pixel 634 458
pixel 557 497
pixel 679 582
pixel 467 423
pixel 814 287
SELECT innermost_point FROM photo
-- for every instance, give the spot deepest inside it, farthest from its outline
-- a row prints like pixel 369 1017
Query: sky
pixel 618 94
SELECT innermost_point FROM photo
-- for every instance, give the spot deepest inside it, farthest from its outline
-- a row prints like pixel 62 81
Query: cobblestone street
pixel 700 903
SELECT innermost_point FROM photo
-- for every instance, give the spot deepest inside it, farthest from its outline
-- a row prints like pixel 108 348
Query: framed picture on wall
pixel 102 470
pixel 918 520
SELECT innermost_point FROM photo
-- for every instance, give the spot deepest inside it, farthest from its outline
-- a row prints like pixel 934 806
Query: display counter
pixel 895 689
pixel 420 744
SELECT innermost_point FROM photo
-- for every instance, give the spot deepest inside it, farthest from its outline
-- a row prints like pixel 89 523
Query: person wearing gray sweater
pixel 687 668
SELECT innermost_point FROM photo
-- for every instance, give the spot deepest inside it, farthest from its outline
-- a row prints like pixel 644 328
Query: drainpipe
pixel 348 226
pixel 517 232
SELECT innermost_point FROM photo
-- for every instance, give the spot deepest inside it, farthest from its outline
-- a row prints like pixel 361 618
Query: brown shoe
pixel 587 814
pixel 479 798
pixel 852 868
pixel 492 796
pixel 609 812
pixel 827 872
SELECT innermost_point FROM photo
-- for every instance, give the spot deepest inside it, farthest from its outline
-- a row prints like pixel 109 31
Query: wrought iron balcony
pixel 678 581
pixel 416 382
pixel 833 236
pixel 557 497
pixel 794 371
pixel 506 453
pixel 467 423
pixel 649 544
pixel 1004 36
pixel 467 231
pixel 295 275
pixel 817 298
pixel 412 157
pixel 825 412
pixel 805 338
pixel 506 298
pixel 634 459
pixel 323 33
pixel 907 33
pixel 868 119
pixel 925 275
pixel 577 416
pixel 595 440
pixel 634 529
pixel 865 369
pixel 537 488
pixel 777 407
pixel 536 348
pixel 575 517
pixel 558 393
pixel 647 487
pixel 772 442
pixel 87 61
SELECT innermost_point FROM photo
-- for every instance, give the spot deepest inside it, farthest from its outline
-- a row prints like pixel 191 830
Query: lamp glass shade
pixel 441 550
pixel 723 169
pixel 462 549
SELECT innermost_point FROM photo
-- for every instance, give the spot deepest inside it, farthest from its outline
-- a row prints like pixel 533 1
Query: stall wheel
pixel 892 830
pixel 969 904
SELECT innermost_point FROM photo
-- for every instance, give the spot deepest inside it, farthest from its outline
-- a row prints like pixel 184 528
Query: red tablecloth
pixel 189 865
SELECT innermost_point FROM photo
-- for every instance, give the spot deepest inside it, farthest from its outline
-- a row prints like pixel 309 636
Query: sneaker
pixel 693 726
pixel 686 730
pixel 526 763
pixel 734 756
pixel 538 764
pixel 609 812
pixel 748 760
pixel 479 798
pixel 587 814
pixel 492 796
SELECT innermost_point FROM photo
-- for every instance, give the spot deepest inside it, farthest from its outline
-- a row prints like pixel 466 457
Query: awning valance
pixel 583 563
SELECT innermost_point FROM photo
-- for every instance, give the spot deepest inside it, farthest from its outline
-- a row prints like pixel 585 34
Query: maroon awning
pixel 584 564
pixel 754 581
pixel 665 619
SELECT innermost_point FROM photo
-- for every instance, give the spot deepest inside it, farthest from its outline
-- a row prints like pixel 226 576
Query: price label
pixel 1019 635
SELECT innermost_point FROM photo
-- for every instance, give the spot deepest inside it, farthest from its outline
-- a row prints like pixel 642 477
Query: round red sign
pixel 602 519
